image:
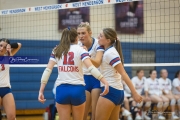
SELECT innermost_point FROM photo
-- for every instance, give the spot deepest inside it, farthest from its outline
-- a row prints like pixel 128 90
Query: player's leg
pixel 87 105
pixel 88 88
pixel 159 101
pixel 95 93
pixel 115 113
pixel 165 102
pixel 126 103
pixel 147 105
pixel 172 100
pixel 64 111
pixel 9 106
pixel 78 111
pixel 104 109
pixel 177 97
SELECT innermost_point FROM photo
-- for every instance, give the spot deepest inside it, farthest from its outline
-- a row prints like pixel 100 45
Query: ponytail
pixel 119 50
pixel 68 36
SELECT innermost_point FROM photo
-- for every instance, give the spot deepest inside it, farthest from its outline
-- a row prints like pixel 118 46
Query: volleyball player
pixel 166 89
pixel 154 91
pixel 112 68
pixel 6 97
pixel 176 88
pixel 129 105
pixel 70 90
pixel 92 84
pixel 138 82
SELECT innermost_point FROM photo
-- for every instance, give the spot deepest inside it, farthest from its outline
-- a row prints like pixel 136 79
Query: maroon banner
pixel 129 17
pixel 72 17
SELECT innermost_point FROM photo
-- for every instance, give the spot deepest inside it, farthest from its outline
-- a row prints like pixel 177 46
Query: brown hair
pixel 139 70
pixel 68 36
pixel 5 40
pixel 111 34
pixel 86 25
pixel 177 73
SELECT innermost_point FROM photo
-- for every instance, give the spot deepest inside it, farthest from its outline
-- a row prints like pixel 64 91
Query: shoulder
pixel 134 78
pixel 175 79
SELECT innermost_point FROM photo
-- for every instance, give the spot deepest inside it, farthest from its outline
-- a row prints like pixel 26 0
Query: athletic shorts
pixel 115 95
pixel 4 91
pixel 70 94
pixel 91 82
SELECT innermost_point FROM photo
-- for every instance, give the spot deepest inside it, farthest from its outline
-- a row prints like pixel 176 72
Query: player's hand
pixel 106 89
pixel 138 98
pixel 8 49
pixel 41 98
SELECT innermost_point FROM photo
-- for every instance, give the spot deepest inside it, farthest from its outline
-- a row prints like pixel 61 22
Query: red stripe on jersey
pixel 84 55
pixel 114 61
pixel 52 56
pixel 100 47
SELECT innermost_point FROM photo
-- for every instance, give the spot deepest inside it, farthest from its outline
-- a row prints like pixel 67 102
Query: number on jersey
pixel 69 59
pixel 2 67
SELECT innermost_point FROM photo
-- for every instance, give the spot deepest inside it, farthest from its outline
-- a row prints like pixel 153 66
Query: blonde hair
pixel 86 25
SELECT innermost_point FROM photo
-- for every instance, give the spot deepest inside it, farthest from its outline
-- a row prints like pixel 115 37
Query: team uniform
pixel 5 86
pixel 90 81
pixel 176 83
pixel 110 59
pixel 127 91
pixel 165 85
pixel 70 83
pixel 153 87
pixel 139 84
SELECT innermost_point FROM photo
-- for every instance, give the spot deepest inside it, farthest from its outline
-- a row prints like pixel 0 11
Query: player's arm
pixel 13 48
pixel 98 59
pixel 44 79
pixel 176 85
pixel 95 72
pixel 119 67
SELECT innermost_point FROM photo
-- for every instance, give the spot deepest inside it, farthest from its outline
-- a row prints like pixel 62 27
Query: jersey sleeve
pixel 100 48
pixel 175 83
pixel 52 57
pixel 112 59
pixel 84 54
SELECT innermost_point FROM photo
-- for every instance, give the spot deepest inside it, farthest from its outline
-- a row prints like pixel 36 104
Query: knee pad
pixel 139 105
pixel 148 104
pixel 166 104
pixel 178 101
pixel 173 102
pixel 160 104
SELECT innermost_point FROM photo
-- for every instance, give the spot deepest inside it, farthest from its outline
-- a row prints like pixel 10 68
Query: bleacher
pixel 26 81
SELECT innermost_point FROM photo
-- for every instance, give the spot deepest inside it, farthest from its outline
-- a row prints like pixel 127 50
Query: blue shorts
pixel 70 94
pixel 4 91
pixel 115 95
pixel 91 82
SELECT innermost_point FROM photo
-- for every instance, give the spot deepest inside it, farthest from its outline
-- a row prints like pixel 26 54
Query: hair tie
pixel 69 28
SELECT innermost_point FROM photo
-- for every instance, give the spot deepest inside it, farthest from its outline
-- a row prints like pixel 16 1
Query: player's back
pixel 70 66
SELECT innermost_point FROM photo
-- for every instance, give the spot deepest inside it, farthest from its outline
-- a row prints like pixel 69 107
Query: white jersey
pixel 138 84
pixel 92 53
pixel 110 59
pixel 127 91
pixel 70 66
pixel 4 75
pixel 152 87
pixel 176 83
pixel 165 84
